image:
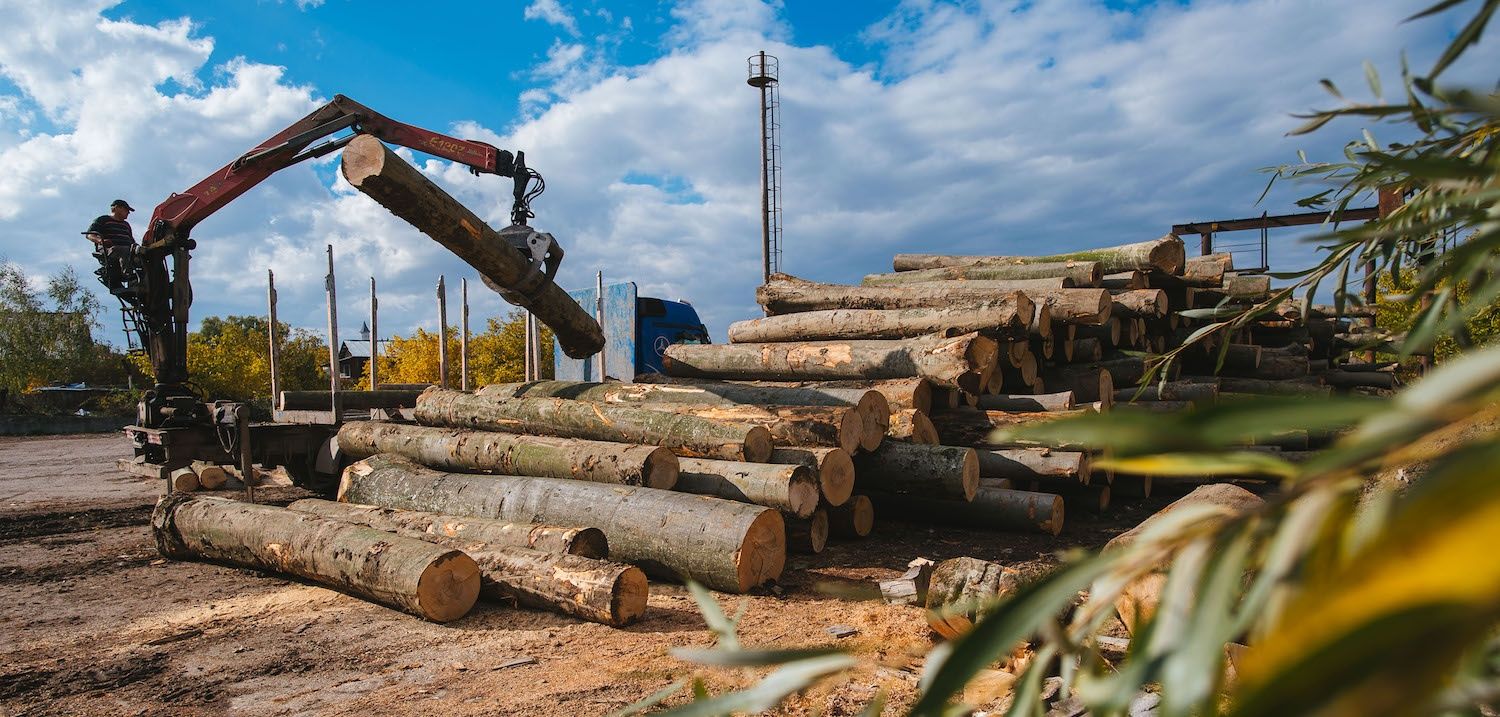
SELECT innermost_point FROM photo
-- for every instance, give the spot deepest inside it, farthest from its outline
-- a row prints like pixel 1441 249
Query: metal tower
pixel 763 75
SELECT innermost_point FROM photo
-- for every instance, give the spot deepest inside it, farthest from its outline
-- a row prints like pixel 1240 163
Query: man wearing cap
pixel 113 240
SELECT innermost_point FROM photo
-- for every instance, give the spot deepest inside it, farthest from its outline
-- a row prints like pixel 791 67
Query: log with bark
pixel 1007 316
pixel 1233 385
pixel 1109 333
pixel 1091 499
pixel 1020 464
pixel 1086 349
pixel 349 400
pixel 395 184
pixel 853 519
pixel 969 427
pixel 826 426
pixel 430 581
pixel 899 393
pixel 912 426
pixel 513 454
pixel 1060 401
pixel 792 489
pixel 911 587
pixel 211 476
pixel 991 509
pixel 786 294
pixel 1272 367
pixel 685 435
pixel 1165 254
pixel 563 581
pixel 570 540
pixel 1125 281
pixel 1087 383
pixel 184 480
pixel 723 544
pixel 1141 303
pixel 910 468
pixel 833 467
pixel 1204 392
pixel 867 397
pixel 1088 307
pixel 962 590
pixel 955 362
pixel 1355 379
pixel 1080 273
pixel 807 535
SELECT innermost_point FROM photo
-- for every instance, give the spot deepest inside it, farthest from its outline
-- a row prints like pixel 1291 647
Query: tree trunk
pixel 1232 385
pixel 1088 307
pixel 392 182
pixel 1021 464
pixel 436 583
pixel 913 426
pixel 1207 392
pixel 792 489
pixel 1060 401
pixel 991 508
pixel 853 519
pixel 583 542
pixel 1087 382
pixel 513 454
pixel 833 466
pixel 1150 303
pixel 723 544
pixel 685 435
pixel 1163 254
pixel 1091 499
pixel 973 428
pixel 807 535
pixel 1009 316
pixel 826 426
pixel 962 590
pixel 1125 281
pixel 1273 367
pixel 211 476
pixel 349 400
pixel 184 480
pixel 924 470
pixel 899 393
pixel 574 581
pixel 786 294
pixel 1080 273
pixel 1087 349
pixel 954 362
pixel 1109 333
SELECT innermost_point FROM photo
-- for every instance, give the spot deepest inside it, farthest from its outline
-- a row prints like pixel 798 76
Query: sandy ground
pixel 95 623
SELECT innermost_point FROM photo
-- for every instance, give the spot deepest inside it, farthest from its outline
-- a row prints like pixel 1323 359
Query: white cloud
pixel 553 13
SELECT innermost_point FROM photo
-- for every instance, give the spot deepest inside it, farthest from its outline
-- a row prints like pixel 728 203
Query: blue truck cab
pixel 637 331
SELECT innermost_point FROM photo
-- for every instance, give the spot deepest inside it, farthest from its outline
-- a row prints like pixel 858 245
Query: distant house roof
pixel 358 348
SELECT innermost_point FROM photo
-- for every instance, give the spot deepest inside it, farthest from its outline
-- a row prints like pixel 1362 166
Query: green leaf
pixel 769 691
pixel 650 700
pixel 1206 465
pixel 713 616
pixel 1469 35
pixel 1372 77
pixel 747 658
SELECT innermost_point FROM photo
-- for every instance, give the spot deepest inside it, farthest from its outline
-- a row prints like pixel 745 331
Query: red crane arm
pixel 174 218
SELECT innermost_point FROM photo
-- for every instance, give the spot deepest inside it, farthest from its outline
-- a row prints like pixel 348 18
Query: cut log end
pixel 762 555
pixel 807 535
pixel 854 519
pixel 584 542
pixel 874 411
pixel 447 588
pixel 661 469
pixel 836 478
pixel 757 445
pixel 852 431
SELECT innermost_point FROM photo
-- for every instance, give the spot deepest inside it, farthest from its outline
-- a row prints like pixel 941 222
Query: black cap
pixel 121 203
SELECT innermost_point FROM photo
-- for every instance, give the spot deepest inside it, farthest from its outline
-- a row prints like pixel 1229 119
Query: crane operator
pixel 113 241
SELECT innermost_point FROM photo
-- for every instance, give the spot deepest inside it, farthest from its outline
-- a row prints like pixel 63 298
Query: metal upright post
pixel 526 360
pixel 463 335
pixel 335 402
pixel 442 297
pixel 271 337
pixel 374 337
pixel 599 316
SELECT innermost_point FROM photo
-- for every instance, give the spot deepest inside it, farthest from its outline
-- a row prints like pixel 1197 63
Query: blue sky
pixel 981 126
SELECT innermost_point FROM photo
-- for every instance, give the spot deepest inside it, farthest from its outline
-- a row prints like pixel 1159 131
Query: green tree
pixel 230 358
pixel 47 336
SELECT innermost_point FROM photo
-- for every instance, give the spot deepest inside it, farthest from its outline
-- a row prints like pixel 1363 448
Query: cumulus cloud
pixel 553 13
pixel 979 127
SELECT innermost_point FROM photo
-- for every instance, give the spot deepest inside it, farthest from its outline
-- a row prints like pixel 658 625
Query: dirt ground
pixel 94 622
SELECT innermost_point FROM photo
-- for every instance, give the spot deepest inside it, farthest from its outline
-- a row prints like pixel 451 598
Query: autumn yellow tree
pixel 229 358
pixel 496 355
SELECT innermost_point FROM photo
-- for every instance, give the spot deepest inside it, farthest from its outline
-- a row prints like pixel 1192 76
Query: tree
pixel 47 337
pixel 496 355
pixel 230 358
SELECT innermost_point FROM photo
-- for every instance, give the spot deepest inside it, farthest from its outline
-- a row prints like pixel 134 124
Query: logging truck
pixel 174 425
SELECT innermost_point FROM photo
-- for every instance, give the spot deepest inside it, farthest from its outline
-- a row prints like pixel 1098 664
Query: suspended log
pixel 955 362
pixel 1087 382
pixel 512 454
pixel 568 540
pixel 833 467
pixel 962 590
pixel 723 544
pixel 562 581
pixel 1060 401
pixel 432 582
pixel 911 587
pixel 807 535
pixel 395 184
pixel 1080 273
pixel 912 426
pixel 1025 464
pixel 1141 302
pixel 349 400
pixel 211 476
pixel 826 426
pixel 915 469
pixel 1008 316
pixel 853 519
pixel 792 489
pixel 685 435
pixel 1206 392
pixel 1162 254
pixel 1139 600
